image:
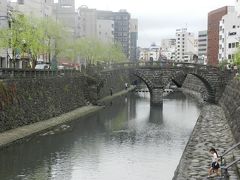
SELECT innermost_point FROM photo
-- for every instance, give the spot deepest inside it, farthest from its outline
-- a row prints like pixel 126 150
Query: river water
pixel 128 140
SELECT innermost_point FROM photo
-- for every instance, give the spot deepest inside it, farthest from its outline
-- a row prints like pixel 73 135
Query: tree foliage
pixel 237 58
pixel 32 37
pixel 93 50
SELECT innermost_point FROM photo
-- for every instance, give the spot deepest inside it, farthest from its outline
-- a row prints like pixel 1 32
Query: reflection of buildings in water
pixel 156 114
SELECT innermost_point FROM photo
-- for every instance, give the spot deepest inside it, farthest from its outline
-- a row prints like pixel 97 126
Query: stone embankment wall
pixel 217 126
pixel 25 101
pixel 115 80
pixel 29 100
pixel 230 103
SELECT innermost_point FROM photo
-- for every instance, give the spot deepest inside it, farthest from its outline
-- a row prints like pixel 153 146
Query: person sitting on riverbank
pixel 215 168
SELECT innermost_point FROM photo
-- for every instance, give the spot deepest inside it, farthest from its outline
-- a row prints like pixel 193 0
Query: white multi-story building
pixel 36 8
pixel 185 45
pixel 87 22
pixel 202 47
pixel 64 12
pixel 154 52
pixel 144 54
pixel 105 30
pixel 168 48
pixel 229 34
pixel 150 54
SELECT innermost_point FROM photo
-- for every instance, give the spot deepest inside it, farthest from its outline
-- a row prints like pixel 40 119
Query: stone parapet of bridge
pixel 158 75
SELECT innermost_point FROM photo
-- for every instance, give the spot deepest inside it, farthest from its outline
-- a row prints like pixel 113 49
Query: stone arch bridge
pixel 157 76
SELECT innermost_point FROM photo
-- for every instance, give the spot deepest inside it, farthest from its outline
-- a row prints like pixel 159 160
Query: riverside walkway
pixel 211 130
pixel 23 132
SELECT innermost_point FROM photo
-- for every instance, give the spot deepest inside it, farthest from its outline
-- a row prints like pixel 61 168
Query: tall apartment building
pixel 214 18
pixel 133 39
pixel 122 30
pixel 3 24
pixel 65 13
pixel 229 34
pixel 185 45
pixel 202 46
pixel 105 30
pixel 88 20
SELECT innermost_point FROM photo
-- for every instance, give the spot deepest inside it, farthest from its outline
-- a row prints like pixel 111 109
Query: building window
pixel 234 26
pixel 229 56
pixel 20 1
pixel 229 45
pixel 233 45
pixel 237 44
pixel 232 33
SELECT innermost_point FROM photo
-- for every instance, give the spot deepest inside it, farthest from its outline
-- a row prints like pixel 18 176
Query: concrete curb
pixel 14 135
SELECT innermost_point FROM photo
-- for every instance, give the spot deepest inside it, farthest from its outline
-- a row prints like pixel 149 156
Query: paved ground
pixel 14 135
pixel 211 130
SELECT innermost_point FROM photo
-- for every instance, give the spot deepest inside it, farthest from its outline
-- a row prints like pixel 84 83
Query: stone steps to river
pixel 211 130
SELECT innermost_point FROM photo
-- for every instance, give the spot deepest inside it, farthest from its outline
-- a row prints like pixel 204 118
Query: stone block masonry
pixel 230 103
pixel 29 100
pixel 217 126
pixel 113 79
pixel 26 101
pixel 211 130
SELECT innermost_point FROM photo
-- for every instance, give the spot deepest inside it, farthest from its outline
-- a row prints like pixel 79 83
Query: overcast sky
pixel 159 19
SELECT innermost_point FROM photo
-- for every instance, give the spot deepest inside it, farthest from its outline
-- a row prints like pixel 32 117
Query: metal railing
pixel 223 166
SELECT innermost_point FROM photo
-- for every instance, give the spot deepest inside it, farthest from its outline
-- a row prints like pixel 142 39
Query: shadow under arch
pixel 179 78
pixel 144 79
pixel 210 91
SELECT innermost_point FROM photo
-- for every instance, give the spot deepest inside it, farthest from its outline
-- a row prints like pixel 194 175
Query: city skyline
pixel 157 22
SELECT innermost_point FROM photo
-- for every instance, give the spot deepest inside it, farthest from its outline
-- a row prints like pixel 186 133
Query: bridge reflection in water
pixel 128 140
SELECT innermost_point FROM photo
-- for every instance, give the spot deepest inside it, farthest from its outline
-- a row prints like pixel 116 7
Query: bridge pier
pixel 157 97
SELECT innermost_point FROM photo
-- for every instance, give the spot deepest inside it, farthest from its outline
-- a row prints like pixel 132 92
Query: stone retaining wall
pixel 25 101
pixel 114 79
pixel 217 126
pixel 230 103
pixel 29 100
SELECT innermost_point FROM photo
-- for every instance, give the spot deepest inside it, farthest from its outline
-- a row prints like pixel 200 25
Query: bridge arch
pixel 179 77
pixel 156 93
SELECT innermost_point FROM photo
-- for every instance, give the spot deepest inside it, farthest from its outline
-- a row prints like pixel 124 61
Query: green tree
pixel 33 37
pixel 93 50
pixel 56 37
pixel 23 37
pixel 237 58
